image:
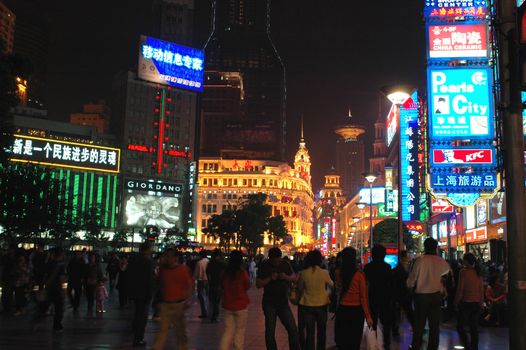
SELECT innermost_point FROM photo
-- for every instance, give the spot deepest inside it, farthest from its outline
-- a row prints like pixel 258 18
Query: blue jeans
pixel 283 311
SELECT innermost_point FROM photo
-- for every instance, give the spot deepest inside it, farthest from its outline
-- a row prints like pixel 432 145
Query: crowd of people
pixel 362 298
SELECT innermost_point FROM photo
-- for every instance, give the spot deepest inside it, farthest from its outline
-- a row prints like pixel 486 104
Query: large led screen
pixel 141 210
pixel 460 103
pixel 171 64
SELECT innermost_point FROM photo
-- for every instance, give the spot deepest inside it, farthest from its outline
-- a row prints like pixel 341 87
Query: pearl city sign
pixel 56 153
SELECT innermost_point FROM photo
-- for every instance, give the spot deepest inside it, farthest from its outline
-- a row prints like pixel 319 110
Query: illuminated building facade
pixel 378 161
pixel 225 183
pixel 7 27
pixel 173 20
pixel 328 203
pixel 94 114
pixel 240 41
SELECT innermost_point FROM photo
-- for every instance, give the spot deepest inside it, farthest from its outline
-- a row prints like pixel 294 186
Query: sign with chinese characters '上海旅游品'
pixel 168 63
pixel 28 149
pixel 467 183
pixel 460 103
pixel 442 9
pixel 448 41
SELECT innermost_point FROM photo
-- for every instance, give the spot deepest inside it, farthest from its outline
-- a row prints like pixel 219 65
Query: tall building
pixel 350 156
pixel 378 162
pixel 241 42
pixel 7 28
pixel 173 20
pixel 94 114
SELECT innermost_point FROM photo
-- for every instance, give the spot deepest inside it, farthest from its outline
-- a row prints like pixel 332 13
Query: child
pixel 101 294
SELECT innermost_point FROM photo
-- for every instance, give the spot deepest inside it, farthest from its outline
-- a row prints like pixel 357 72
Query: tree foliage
pixel 175 235
pixel 120 239
pixel 386 232
pixel 92 224
pixel 223 227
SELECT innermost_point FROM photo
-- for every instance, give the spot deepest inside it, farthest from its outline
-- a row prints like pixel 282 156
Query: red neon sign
pixel 441 206
pixel 138 148
pixel 179 154
pixel 477 235
pixel 458 40
pixel 462 156
pixel 479 11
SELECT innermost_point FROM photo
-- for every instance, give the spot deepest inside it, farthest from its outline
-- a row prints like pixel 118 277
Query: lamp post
pixel 361 206
pixel 398 95
pixel 353 232
pixel 370 177
pixel 355 219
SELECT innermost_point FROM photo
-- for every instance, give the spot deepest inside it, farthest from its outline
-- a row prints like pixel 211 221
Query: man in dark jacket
pixel 55 277
pixel 380 280
pixel 402 297
pixel 214 271
pixel 141 274
pixel 76 268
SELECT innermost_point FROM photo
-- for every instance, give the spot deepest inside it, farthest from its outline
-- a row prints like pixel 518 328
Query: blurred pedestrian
pixel 235 283
pixel 21 284
pixel 380 286
pixel 275 275
pixel 214 270
pixel 112 269
pixel 176 286
pixel 426 278
pixel 122 281
pixel 54 278
pixel 402 297
pixel 8 279
pixel 202 283
pixel 252 269
pixel 101 295
pixel 496 297
pixel 76 269
pixel 354 306
pixel 314 299
pixel 469 298
pixel 93 273
pixel 140 285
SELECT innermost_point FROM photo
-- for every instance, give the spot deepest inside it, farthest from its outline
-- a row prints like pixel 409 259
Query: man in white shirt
pixel 426 279
pixel 202 282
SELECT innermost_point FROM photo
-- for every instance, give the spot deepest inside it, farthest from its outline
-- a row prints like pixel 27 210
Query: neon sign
pixel 447 156
pixel 392 124
pixel 455 8
pixel 441 206
pixel 460 103
pixel 171 64
pixel 378 195
pixel 467 183
pixel 457 41
pixel 29 149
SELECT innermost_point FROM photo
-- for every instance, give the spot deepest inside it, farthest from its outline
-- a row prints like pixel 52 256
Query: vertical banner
pixel 409 159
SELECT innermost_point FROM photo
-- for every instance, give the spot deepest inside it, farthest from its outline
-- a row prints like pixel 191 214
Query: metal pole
pixel 371 216
pixel 513 145
pixel 361 231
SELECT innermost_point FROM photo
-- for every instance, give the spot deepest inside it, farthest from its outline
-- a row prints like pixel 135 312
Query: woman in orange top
pixel 353 307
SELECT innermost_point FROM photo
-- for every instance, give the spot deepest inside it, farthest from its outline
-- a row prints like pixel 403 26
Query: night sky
pixel 337 55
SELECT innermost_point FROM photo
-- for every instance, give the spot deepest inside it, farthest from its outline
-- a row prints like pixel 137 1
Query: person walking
pixel 252 269
pixel 76 269
pixel 402 298
pixel 54 279
pixel 140 285
pixel 93 273
pixel 235 283
pixel 314 298
pixel 426 278
pixel 176 285
pixel 353 308
pixel 469 298
pixel 214 270
pixel 21 284
pixel 202 283
pixel 122 281
pixel 380 286
pixel 112 269
pixel 101 294
pixel 275 275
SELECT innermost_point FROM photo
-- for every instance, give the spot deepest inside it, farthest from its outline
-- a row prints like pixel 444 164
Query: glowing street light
pixel 370 177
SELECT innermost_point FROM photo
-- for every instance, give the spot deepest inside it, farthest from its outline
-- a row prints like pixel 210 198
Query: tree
pixel 63 231
pixel 120 239
pixel 150 232
pixel 175 235
pixel 386 232
pixel 252 219
pixel 92 224
pixel 223 227
pixel 277 227
pixel 30 202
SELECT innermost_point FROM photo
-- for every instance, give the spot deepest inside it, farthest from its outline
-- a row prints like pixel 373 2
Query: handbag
pixel 371 339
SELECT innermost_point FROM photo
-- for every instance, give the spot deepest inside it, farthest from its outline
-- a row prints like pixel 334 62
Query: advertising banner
pixel 159 188
pixel 463 156
pixel 65 154
pixel 443 9
pixel 477 235
pixel 468 183
pixel 392 124
pixel 460 103
pixel 439 206
pixel 141 210
pixel 168 63
pixel 457 41
pixel 378 195
pixel 498 208
pixel 383 212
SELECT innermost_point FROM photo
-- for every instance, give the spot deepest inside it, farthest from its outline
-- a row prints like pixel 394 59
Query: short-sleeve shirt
pixel 176 283
pixel 275 292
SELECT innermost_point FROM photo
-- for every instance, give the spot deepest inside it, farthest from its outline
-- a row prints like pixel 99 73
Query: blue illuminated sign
pixel 523 97
pixel 442 9
pixel 409 159
pixel 171 64
pixel 463 199
pixel 457 183
pixel 460 103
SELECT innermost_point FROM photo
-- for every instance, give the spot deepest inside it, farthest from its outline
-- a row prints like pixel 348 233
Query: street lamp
pixel 370 177
pixel 361 206
pixel 398 95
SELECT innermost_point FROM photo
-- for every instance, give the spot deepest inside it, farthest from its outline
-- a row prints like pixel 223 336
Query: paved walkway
pixel 112 331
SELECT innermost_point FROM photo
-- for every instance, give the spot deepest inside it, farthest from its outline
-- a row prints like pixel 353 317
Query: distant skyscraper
pixel 173 20
pixel 350 156
pixel 240 41
pixel 7 27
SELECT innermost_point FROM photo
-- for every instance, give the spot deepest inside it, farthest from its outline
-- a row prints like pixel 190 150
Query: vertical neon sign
pixel 160 136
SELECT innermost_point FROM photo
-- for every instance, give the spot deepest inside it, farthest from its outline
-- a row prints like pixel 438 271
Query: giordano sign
pixel 163 188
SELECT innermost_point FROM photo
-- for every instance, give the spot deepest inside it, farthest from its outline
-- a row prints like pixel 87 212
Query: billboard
pixel 154 187
pixel 392 124
pixel 457 41
pixel 443 9
pixel 141 210
pixel 65 154
pixel 441 206
pixel 462 156
pixel 378 195
pixel 449 182
pixel 523 98
pixel 167 63
pixel 477 235
pixel 460 103
pixel 498 208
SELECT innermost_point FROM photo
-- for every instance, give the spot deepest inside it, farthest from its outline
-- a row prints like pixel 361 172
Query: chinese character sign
pixel 409 160
pixel 171 64
pixel 457 41
pixel 442 9
pixel 460 103
pixel 446 182
pixel 65 154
